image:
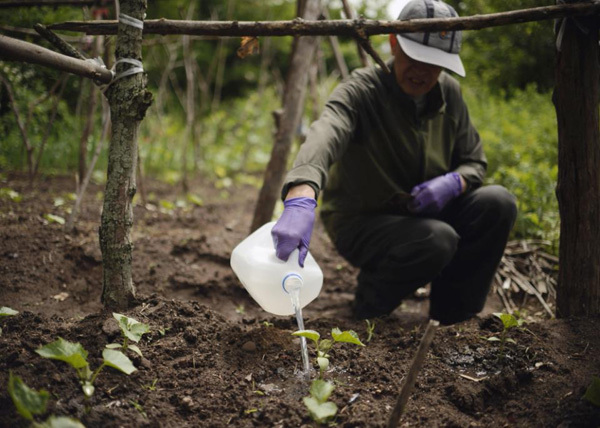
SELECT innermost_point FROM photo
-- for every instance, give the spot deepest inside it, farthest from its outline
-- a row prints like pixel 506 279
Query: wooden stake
pixel 415 367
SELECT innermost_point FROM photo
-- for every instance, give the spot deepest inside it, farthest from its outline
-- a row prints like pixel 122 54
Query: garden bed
pixel 214 358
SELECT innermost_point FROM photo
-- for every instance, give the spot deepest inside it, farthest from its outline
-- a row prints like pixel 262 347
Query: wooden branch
pixel 364 60
pixel 29 32
pixel 343 27
pixel 363 41
pixel 411 377
pixel 18 50
pixel 34 3
pixel 62 46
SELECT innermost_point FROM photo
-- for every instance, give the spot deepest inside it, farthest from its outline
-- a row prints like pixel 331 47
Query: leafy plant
pixel 76 356
pixel 7 312
pixel 30 402
pixel 509 322
pixel 324 346
pixel 131 329
pixel 27 401
pixel 319 408
pixel 592 394
pixel 370 330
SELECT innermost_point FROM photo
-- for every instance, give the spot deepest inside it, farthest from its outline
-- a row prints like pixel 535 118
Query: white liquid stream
pixel 295 296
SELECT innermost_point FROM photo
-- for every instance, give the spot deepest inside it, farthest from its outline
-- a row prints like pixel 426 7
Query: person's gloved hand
pixel 294 228
pixel 433 195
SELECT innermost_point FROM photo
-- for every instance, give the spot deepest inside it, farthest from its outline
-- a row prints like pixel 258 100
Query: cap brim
pixel 430 55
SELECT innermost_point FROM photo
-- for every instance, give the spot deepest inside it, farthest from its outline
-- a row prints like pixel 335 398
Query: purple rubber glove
pixel 433 195
pixel 294 228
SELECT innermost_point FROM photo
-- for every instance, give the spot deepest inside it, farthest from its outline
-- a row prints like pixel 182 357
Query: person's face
pixel 415 78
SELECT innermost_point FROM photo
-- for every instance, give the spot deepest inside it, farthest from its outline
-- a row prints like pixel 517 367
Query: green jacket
pixel 369 147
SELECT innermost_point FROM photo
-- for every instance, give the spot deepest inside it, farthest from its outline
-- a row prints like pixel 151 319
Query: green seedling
pixel 7 312
pixel 163 330
pixel 240 310
pixel 30 402
pixel 509 322
pixel 131 329
pixel 592 394
pixel 76 356
pixel 324 346
pixel 152 386
pixel 370 330
pixel 319 408
pixel 139 408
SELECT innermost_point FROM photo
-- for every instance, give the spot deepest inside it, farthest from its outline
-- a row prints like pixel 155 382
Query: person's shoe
pixel 362 310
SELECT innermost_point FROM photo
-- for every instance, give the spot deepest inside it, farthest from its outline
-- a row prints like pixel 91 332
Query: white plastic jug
pixel 268 279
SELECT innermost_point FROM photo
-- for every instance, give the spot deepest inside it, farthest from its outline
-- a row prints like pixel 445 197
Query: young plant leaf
pixel 324 347
pixel 61 422
pixel 309 334
pixel 114 346
pixel 118 360
pixel 320 411
pixel 323 363
pixel 63 350
pixel 493 339
pixel 54 218
pixel 508 320
pixel 7 312
pixel 27 401
pixel 348 336
pixel 592 394
pixel 321 389
pixel 88 389
pixel 131 328
pixel 135 349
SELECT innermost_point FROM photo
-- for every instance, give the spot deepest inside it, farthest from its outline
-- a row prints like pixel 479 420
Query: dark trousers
pixel 457 251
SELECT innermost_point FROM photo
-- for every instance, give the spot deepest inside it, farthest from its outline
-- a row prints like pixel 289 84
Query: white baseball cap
pixel 440 48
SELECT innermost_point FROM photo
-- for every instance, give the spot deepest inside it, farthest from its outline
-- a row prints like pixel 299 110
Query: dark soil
pixel 213 358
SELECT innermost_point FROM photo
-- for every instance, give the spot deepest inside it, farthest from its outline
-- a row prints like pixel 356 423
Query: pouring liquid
pixel 295 296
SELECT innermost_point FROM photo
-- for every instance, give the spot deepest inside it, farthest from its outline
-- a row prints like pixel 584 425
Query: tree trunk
pixel 293 103
pixel 578 189
pixel 129 100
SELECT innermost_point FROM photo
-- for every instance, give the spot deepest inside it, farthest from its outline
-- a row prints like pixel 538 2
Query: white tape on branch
pixel 128 20
pixel 137 68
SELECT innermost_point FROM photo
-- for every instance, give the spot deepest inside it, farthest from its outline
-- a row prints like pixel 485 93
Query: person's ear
pixel 393 43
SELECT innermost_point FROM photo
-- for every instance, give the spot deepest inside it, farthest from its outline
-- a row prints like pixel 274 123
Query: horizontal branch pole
pixel 18 50
pixel 35 3
pixel 342 27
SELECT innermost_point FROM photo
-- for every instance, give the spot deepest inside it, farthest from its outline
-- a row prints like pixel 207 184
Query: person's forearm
pixel 299 191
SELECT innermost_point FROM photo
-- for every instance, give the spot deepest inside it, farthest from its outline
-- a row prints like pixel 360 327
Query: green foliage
pixel 7 312
pixel 6 193
pixel 509 57
pixel 520 139
pixel 27 401
pixel 592 394
pixel 370 329
pixel 319 408
pixel 76 356
pixel 323 346
pixel 509 322
pixel 131 329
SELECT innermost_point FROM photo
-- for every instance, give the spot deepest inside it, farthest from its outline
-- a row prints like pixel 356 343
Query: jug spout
pixel 271 281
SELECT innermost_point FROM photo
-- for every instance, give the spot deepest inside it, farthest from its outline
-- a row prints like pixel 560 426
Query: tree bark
pixel 293 103
pixel 578 190
pixel 129 99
